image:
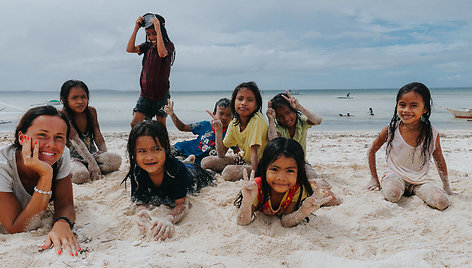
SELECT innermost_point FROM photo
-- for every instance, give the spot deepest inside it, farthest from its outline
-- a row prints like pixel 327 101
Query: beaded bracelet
pixel 71 225
pixel 42 192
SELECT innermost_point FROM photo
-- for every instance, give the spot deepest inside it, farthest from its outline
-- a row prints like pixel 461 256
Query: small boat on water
pixel 50 102
pixel 460 112
pixel 346 97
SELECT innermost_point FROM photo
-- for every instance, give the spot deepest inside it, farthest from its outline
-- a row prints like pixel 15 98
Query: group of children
pixel 281 181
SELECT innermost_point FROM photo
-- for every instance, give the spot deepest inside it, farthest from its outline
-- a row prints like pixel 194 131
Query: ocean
pixel 115 107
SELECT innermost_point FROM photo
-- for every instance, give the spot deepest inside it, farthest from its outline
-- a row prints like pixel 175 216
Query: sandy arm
pixel 378 142
pixel 442 167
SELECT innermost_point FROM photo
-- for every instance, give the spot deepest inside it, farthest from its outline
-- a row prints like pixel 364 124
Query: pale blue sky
pixel 279 44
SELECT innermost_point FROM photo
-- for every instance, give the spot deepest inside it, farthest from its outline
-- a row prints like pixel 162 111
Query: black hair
pixel 27 120
pixel 275 148
pixel 279 101
pixel 165 36
pixel 151 128
pixel 65 90
pixel 426 134
pixel 224 102
pixel 252 86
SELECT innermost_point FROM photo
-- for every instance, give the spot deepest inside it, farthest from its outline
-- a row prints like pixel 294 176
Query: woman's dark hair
pixel 154 129
pixel 279 101
pixel 426 133
pixel 27 120
pixel 65 90
pixel 277 147
pixel 252 86
pixel 224 102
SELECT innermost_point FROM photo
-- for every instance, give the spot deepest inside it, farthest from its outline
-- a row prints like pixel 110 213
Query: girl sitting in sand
pixel 157 178
pixel 248 130
pixel 87 162
pixel 281 186
pixel 411 141
pixel 289 119
pixel 34 170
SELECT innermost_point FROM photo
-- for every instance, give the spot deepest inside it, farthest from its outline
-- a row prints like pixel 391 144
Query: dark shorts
pixel 151 108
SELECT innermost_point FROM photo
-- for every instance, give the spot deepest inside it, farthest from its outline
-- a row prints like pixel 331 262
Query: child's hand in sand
pixel 249 190
pixel 314 202
pixel 448 190
pixel 373 184
pixel 162 228
pixel 169 108
pixel 215 122
pixel 95 173
pixel 143 220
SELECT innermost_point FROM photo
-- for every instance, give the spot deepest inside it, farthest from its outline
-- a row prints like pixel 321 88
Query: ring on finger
pixel 28 157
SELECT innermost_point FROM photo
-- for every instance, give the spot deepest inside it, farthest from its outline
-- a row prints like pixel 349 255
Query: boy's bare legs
pixel 216 163
pixel 235 172
pixel 137 118
pixel 433 195
pixel 392 188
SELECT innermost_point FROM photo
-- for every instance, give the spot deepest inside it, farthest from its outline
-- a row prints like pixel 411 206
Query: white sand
pixel 364 231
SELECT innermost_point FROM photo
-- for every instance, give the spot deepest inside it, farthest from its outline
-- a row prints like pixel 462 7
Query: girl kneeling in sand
pixel 281 187
pixel 411 141
pixel 157 178
pixel 34 170
pixel 87 162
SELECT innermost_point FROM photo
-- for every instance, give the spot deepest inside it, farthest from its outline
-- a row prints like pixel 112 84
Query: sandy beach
pixel 364 231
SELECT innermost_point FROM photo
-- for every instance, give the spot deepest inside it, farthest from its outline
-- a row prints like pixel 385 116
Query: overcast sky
pixel 279 44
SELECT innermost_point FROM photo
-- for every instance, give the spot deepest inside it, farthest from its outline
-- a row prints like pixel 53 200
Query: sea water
pixel 115 107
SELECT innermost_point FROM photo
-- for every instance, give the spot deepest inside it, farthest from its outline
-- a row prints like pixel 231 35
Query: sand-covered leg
pixel 392 188
pixel 234 172
pixel 108 162
pixel 433 195
pixel 79 172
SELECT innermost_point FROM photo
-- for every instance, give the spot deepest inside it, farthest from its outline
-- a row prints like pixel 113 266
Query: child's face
pixel 282 174
pixel 224 114
pixel 150 155
pixel 245 103
pixel 151 34
pixel 286 116
pixel 410 107
pixel 50 132
pixel 77 99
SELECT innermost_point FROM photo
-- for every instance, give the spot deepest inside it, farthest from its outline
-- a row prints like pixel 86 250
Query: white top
pixel 406 161
pixel 10 180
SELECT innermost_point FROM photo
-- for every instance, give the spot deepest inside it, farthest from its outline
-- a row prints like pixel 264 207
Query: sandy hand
pixel 215 122
pixel 373 184
pixel 250 189
pixel 270 111
pixel 314 202
pixel 143 220
pixel 292 100
pixel 169 108
pixel 162 228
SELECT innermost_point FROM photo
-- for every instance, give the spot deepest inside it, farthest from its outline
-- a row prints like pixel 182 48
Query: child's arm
pixel 221 149
pixel 169 109
pixel 442 167
pixel 97 134
pixel 309 205
pixel 272 132
pixel 161 48
pixel 164 227
pixel 254 156
pixel 82 150
pixel 249 192
pixel 131 47
pixel 313 118
pixel 378 142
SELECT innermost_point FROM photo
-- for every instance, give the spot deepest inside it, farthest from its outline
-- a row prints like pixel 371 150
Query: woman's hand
pixel 63 239
pixel 314 202
pixel 162 228
pixel 31 159
pixel 250 189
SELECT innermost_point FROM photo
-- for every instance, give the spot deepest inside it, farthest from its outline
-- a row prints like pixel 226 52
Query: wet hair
pixel 65 90
pixel 279 101
pixel 165 36
pixel 27 120
pixel 151 128
pixel 252 86
pixel 276 148
pixel 426 134
pixel 224 102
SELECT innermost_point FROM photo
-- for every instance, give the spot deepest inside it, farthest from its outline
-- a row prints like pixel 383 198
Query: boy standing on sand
pixel 159 54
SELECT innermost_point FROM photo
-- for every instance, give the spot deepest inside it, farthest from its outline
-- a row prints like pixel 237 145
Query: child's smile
pixel 150 155
pixel 410 107
pixel 286 116
pixel 281 175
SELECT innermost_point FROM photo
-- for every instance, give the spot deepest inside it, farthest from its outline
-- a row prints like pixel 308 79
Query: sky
pixel 303 44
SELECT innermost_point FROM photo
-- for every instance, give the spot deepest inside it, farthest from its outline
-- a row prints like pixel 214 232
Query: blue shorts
pixel 151 108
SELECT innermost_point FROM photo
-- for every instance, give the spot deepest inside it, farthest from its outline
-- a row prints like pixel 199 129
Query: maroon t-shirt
pixel 155 74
